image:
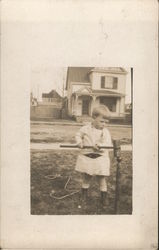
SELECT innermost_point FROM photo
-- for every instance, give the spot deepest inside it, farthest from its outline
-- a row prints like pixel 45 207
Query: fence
pixel 45 111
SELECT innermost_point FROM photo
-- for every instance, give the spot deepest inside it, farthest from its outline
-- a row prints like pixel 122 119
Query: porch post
pixel 93 102
pixel 76 105
pixel 122 106
pixel 118 106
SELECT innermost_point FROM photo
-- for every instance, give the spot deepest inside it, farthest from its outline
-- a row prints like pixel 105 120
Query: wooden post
pixel 117 155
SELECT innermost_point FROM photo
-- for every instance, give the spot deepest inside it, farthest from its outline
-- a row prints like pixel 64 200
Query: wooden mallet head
pixel 117 149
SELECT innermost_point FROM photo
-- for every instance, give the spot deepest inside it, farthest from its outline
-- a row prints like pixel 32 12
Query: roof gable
pixel 84 91
pixel 115 70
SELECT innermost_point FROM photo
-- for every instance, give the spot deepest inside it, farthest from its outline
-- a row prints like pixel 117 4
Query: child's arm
pixel 79 137
pixel 106 139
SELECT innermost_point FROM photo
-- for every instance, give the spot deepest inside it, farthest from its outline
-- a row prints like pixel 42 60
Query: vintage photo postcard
pixel 77 117
pixel 79 124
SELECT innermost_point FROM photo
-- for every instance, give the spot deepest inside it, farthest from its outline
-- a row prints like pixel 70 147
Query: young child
pixel 94 161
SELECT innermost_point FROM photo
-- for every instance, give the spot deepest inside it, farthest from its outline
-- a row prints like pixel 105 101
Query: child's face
pixel 100 122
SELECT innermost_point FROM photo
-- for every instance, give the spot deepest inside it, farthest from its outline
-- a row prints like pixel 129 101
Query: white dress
pixel 91 136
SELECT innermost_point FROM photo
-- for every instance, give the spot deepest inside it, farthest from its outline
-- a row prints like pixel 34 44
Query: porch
pixel 82 105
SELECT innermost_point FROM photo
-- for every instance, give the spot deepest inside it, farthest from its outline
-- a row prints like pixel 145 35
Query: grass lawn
pixel 45 133
pixel 51 162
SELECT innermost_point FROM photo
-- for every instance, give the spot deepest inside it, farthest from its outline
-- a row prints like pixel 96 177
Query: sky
pixel 43 36
pixel 43 80
pixel 47 36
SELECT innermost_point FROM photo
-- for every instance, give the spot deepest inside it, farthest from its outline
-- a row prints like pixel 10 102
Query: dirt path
pixel 45 146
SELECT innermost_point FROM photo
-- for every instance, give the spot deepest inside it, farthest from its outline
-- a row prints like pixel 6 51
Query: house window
pixel 115 82
pixel 103 82
pixel 109 82
pixel 110 102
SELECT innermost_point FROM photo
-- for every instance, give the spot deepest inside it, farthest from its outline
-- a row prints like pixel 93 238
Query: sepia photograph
pixel 81 140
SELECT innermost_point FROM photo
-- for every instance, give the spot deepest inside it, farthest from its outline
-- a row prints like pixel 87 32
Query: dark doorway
pixel 85 107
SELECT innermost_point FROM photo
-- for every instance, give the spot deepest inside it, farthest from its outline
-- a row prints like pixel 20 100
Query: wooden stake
pixel 117 155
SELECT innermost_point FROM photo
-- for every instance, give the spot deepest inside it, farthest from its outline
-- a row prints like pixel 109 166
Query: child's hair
pixel 101 110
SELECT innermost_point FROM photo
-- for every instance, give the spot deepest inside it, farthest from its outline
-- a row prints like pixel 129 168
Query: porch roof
pixel 97 93
pixel 106 93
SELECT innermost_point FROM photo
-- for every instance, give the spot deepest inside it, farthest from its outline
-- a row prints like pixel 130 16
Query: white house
pixel 88 87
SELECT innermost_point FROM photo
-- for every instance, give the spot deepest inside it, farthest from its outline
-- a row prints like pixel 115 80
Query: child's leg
pixel 85 185
pixel 103 189
pixel 86 180
pixel 102 183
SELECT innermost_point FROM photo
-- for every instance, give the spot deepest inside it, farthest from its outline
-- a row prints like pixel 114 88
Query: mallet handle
pixel 76 146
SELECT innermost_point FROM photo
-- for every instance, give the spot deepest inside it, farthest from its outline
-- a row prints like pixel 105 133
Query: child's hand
pixel 96 147
pixel 80 145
